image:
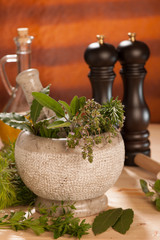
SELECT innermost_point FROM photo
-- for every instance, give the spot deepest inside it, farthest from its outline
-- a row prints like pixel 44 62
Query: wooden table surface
pixel 126 193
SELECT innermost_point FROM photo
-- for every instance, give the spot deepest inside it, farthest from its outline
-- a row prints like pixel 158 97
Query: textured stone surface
pixel 84 208
pixel 53 172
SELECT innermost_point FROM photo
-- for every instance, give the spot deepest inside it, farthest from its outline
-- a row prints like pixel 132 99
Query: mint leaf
pixel 149 194
pixel 49 102
pixel 156 186
pixel 123 223
pixel 154 196
pixel 144 186
pixel 158 204
pixel 105 220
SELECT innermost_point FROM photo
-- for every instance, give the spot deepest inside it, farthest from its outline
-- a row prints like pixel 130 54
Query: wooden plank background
pixel 64 28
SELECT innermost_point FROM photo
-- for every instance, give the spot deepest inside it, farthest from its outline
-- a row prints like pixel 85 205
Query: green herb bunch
pixel 47 222
pixel 119 219
pixel 93 120
pixel 12 189
pixel 152 191
pixel 82 122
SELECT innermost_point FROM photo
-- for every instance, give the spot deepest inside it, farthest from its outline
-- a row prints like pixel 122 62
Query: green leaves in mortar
pixel 36 107
pixel 49 102
pixel 119 219
pixel 16 121
pixel 59 108
pixel 154 194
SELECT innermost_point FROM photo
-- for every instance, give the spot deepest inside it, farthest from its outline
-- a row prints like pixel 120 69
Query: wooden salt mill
pixel 132 55
pixel 101 58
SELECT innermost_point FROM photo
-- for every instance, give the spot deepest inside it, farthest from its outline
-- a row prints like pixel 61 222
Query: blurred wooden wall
pixel 64 28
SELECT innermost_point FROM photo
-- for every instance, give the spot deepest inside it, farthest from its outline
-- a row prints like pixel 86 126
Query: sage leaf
pixel 156 186
pixel 67 108
pixel 59 124
pixel 123 223
pixel 36 107
pixel 74 105
pixel 49 102
pixel 105 220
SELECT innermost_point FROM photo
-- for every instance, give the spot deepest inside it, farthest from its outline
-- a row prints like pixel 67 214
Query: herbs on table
pixel 12 189
pixel 82 122
pixel 152 191
pixel 64 224
pixel 119 219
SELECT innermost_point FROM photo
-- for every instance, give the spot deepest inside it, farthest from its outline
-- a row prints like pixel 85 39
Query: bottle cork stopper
pixel 100 38
pixel 132 36
pixel 22 32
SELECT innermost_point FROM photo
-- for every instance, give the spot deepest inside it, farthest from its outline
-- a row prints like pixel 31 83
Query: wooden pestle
pixel 147 163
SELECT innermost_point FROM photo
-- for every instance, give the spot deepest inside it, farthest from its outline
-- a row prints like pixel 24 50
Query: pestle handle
pixel 147 163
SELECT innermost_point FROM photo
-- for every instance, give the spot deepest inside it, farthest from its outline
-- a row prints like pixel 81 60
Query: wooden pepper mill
pixel 132 55
pixel 101 58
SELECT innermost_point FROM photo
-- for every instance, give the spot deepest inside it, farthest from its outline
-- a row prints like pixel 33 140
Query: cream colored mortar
pixel 53 172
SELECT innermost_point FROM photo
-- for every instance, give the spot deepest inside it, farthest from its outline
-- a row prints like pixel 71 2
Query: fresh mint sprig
pixel 152 191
